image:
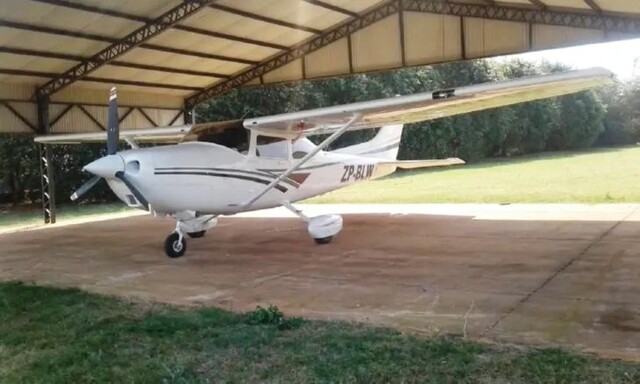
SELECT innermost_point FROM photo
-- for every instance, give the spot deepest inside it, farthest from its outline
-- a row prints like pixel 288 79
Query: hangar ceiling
pixel 59 57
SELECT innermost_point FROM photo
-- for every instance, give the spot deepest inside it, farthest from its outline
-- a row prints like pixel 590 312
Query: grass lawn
pixel 594 176
pixel 52 335
pixel 32 215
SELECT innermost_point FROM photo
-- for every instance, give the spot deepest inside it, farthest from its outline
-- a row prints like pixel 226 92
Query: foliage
pixel 50 335
pixel 622 122
pixel 603 117
pixel 272 316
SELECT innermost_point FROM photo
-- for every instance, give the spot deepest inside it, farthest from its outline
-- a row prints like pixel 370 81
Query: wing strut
pixel 354 119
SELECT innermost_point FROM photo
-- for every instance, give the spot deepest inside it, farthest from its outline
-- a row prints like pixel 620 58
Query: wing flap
pixel 413 164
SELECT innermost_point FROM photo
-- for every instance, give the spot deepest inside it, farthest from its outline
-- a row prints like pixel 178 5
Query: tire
pixel 173 247
pixel 196 235
pixel 323 240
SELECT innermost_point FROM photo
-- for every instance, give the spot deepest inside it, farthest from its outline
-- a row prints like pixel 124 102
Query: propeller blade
pixel 84 188
pixel 113 129
pixel 120 175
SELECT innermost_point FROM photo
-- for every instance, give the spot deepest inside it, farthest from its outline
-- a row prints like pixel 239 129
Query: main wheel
pixel 324 240
pixel 196 235
pixel 174 247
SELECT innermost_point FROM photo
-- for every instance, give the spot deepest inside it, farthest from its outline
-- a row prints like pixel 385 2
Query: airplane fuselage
pixel 212 179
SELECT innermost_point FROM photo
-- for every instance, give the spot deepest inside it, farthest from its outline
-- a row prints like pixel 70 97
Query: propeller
pixel 84 188
pixel 112 165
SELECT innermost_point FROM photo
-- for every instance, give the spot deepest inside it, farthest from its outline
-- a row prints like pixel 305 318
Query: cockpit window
pixel 299 154
pixel 230 134
pixel 273 147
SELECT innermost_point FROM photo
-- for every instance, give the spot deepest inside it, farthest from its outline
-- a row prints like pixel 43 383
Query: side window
pixel 272 147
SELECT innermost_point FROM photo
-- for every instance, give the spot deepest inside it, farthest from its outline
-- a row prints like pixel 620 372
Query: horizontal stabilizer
pixel 412 164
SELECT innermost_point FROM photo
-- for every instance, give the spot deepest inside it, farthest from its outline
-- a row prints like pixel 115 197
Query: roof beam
pixel 180 71
pixel 538 3
pixel 117 63
pixel 332 7
pixel 341 31
pixel 141 19
pixel 51 75
pixel 593 5
pixel 265 19
pixel 106 39
pixel 56 31
pixel 132 40
pixel 607 23
pixel 203 55
pixel 245 40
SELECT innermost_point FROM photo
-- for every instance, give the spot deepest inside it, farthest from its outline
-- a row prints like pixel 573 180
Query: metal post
pixel 47 183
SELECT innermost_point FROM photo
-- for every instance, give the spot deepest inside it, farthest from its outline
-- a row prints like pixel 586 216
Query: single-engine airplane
pixel 228 167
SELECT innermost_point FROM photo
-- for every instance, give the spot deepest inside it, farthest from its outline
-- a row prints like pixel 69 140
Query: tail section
pixel 384 145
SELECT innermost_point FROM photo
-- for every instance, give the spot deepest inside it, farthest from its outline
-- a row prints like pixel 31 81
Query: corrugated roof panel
pixel 123 73
pixel 578 4
pixel 66 18
pixel 146 56
pixel 98 93
pixel 137 120
pixel 290 72
pixel 291 11
pixel 492 37
pixel 10 123
pixel 8 60
pixel 199 43
pixel 162 117
pixel 145 8
pixel 47 42
pixel 30 80
pixel 330 60
pixel 551 36
pixel 24 10
pixel 86 85
pixel 627 6
pixel 15 91
pixel 443 33
pixel 354 5
pixel 254 82
pixel 232 24
pixel 77 121
pixel 74 121
pixel 377 46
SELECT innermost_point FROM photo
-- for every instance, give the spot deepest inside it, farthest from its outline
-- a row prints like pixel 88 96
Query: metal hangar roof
pixel 165 56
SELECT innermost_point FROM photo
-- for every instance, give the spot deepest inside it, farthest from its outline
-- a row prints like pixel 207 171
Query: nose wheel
pixel 175 245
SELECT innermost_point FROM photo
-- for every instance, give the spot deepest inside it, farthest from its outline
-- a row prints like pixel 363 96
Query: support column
pixel 47 182
pixel 189 114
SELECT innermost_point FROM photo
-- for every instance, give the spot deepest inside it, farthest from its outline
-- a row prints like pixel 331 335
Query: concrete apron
pixel 559 274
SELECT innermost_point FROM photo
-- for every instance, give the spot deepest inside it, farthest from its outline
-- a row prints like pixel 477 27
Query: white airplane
pixel 228 167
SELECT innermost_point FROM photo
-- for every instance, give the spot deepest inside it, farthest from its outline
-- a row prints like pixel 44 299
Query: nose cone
pixel 106 166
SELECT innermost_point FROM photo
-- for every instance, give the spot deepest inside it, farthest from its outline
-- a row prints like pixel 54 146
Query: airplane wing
pixel 374 113
pixel 428 105
pixel 173 134
pixel 159 135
